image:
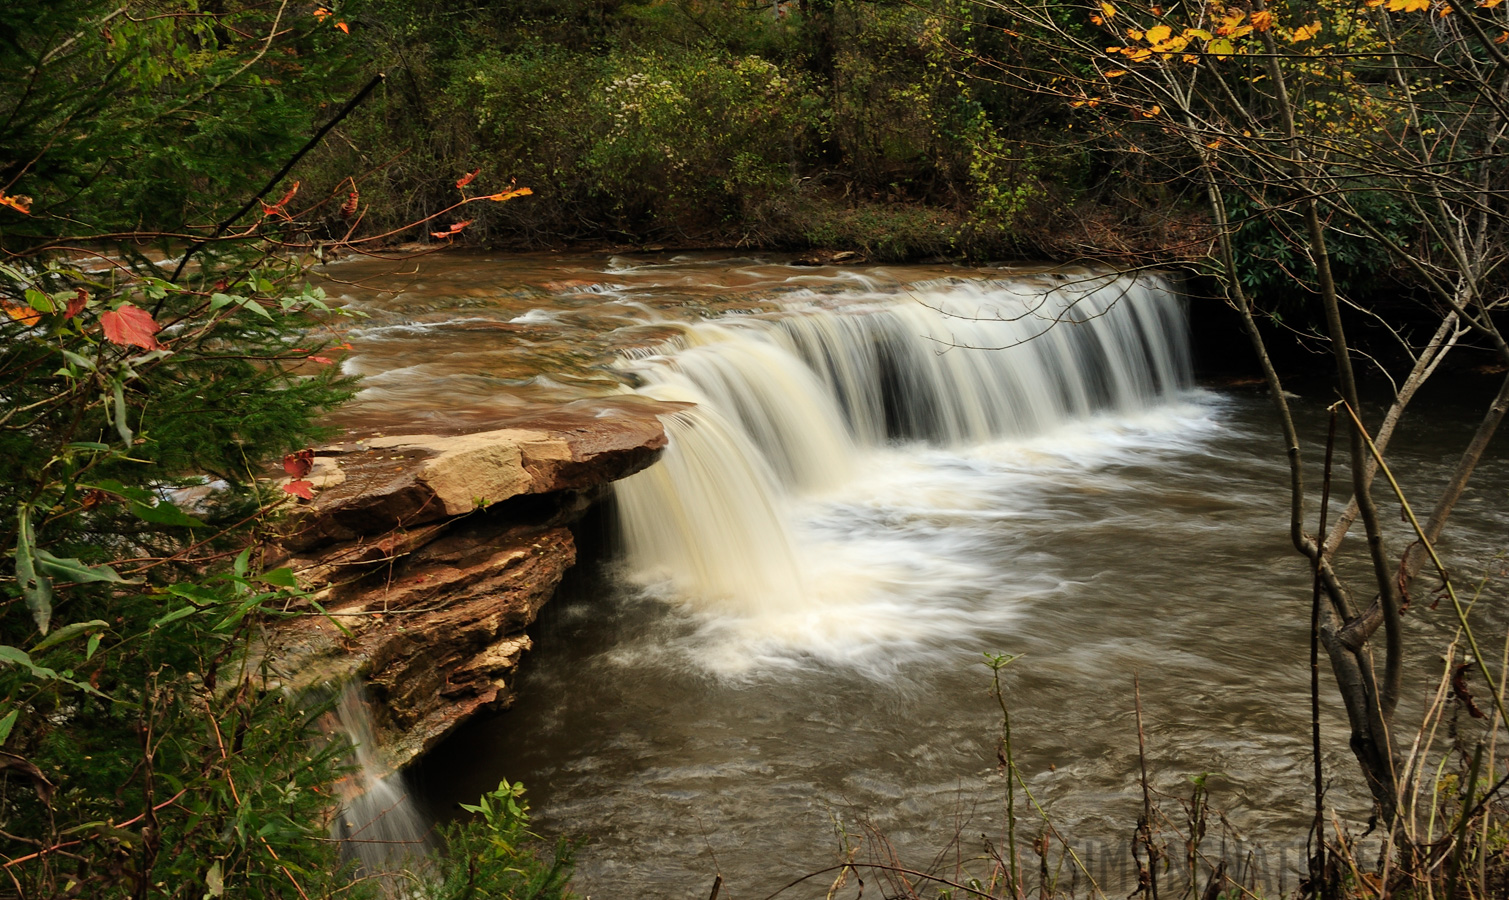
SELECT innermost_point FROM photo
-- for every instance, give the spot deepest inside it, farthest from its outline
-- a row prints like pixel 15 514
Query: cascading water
pixel 378 825
pixel 784 410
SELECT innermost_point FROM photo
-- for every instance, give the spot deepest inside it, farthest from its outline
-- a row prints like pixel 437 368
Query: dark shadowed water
pixel 687 712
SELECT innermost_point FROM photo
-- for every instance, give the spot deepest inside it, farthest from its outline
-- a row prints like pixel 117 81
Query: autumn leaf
pixel 1305 32
pixel 76 304
pixel 1158 34
pixel 277 208
pixel 468 178
pixel 348 209
pixel 131 326
pixel 1408 5
pixel 510 194
pixel 322 360
pixel 303 489
pixel 452 231
pixel 1116 73
pixel 299 464
pixel 321 14
pixel 16 202
pixel 343 27
pixel 23 314
pixel 1108 9
pixel 1262 20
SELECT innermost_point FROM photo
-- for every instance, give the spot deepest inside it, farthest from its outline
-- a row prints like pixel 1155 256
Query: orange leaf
pixel 277 208
pixel 304 489
pixel 23 314
pixel 468 178
pixel 131 326
pixel 452 231
pixel 16 202
pixel 348 209
pixel 510 194
pixel 322 360
pixel 1262 20
pixel 322 14
pixel 343 27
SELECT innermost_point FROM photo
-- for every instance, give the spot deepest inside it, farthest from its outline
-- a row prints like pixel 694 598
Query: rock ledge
pixel 432 554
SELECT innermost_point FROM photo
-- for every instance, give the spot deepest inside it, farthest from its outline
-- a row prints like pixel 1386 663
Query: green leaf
pixel 17 656
pixel 164 513
pixel 214 882
pixel 118 393
pixel 94 644
pixel 111 486
pixel 6 724
pixel 283 577
pixel 68 632
pixel 174 616
pixel 34 585
pixel 38 300
pixel 74 570
pixel 87 445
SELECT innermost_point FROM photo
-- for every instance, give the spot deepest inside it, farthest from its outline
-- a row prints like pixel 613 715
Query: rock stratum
pixel 430 555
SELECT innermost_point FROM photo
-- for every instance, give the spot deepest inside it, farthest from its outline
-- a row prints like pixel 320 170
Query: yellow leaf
pixel 1219 47
pixel 1116 73
pixel 1305 32
pixel 1190 58
pixel 1201 33
pixel 1134 34
pixel 1490 4
pixel 510 194
pixel 1158 34
pixel 1446 11
pixel 1108 9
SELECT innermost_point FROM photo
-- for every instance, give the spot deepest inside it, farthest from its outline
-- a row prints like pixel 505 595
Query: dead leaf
pixel 299 464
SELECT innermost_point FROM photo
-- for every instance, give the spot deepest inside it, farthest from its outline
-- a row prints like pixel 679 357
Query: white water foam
pixel 830 496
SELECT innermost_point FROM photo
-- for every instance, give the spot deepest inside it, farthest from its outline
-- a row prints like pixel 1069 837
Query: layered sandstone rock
pixel 430 555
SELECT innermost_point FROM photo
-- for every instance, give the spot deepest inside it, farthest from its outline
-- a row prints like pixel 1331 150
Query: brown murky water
pixel 682 735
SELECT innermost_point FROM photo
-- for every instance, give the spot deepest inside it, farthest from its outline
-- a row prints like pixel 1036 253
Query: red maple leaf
pixel 467 179
pixel 304 489
pixel 299 464
pixel 129 325
pixel 348 209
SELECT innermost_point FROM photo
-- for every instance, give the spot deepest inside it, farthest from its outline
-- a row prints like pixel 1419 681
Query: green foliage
pixel 499 857
pixel 146 750
pixel 691 122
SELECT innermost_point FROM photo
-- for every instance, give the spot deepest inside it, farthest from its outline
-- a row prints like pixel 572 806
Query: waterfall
pixel 378 825
pixel 785 407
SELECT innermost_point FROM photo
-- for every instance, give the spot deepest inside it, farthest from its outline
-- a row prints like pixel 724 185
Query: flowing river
pixel 774 646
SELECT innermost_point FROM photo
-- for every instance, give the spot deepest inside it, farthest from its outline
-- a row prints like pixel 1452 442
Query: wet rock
pixel 403 481
pixel 429 557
